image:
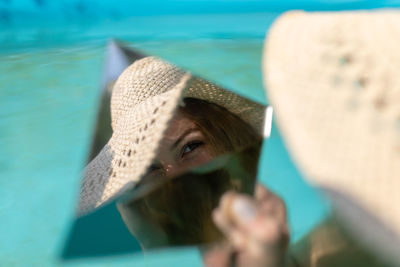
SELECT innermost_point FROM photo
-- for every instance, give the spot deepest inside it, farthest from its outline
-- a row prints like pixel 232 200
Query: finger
pixel 226 203
pixel 221 215
pixel 243 210
pixel 274 206
pixel 280 209
pixel 266 230
pixel 235 208
pixel 221 221
pixel 261 192
pixel 257 237
pixel 238 210
pixel 218 256
pixel 234 211
pixel 251 223
pixel 222 218
pixel 231 232
pixel 257 234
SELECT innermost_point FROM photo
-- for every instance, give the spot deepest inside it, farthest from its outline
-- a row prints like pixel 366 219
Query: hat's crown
pixel 144 79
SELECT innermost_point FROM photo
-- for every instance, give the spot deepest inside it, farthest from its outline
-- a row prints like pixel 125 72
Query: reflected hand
pixel 256 230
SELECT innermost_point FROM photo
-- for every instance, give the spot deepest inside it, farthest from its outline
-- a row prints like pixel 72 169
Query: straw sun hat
pixel 144 99
pixel 334 81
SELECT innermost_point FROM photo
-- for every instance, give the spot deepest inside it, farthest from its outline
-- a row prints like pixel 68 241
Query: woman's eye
pixel 190 147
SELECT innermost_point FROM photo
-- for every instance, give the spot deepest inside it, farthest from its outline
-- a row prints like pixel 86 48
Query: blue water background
pixel 51 65
pixel 28 9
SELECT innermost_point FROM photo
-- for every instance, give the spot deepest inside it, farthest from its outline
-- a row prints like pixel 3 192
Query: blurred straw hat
pixel 334 81
pixel 144 99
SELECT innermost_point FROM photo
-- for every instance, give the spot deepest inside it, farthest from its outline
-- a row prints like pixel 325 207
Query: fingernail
pixel 244 210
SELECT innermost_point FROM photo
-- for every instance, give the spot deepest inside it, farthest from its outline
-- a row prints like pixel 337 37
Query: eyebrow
pixel 182 136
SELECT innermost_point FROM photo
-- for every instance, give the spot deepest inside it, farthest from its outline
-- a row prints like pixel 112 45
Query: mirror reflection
pixel 175 211
pixel 179 145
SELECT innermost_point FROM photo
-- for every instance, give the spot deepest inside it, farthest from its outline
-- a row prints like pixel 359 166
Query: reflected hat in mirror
pixel 333 79
pixel 144 99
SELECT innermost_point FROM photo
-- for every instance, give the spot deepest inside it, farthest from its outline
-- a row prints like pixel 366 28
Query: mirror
pixel 218 150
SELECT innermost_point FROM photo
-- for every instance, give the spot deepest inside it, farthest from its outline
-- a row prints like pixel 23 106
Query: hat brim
pixel 320 79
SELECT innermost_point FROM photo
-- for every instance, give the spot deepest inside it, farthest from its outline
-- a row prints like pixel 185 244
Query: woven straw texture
pixel 334 83
pixel 145 97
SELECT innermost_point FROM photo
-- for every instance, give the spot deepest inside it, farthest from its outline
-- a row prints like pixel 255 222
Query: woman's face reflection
pixel 184 146
pixel 179 213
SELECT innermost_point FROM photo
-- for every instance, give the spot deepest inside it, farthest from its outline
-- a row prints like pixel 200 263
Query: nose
pixel 168 168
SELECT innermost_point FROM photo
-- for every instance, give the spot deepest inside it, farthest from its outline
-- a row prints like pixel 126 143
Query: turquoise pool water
pixel 49 92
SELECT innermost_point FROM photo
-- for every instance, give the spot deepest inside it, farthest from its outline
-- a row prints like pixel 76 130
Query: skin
pixel 183 147
pixel 255 228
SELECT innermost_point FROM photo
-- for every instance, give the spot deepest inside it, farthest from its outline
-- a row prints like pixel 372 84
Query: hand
pixel 256 230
